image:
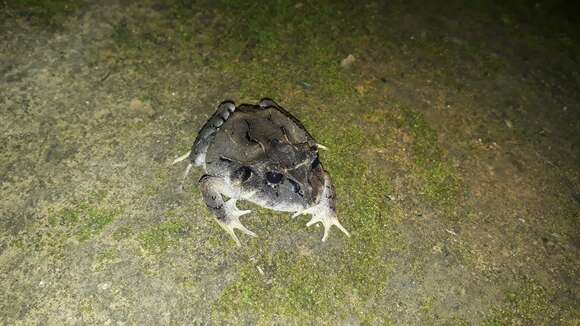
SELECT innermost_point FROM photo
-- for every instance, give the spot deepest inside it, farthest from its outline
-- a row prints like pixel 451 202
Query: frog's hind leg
pixel 207 132
pixel 197 154
pixel 227 214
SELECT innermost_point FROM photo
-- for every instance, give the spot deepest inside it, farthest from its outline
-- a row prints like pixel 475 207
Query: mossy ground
pixel 453 147
pixel 42 14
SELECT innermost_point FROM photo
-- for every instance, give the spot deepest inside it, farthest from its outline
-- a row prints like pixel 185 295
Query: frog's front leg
pixel 227 214
pixel 325 210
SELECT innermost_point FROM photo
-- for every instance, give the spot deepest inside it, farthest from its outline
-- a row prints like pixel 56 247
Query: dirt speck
pixel 139 107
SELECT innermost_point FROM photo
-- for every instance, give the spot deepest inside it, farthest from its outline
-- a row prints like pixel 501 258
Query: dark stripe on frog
pixel 285 133
pixel 248 135
pixel 204 177
pixel 291 117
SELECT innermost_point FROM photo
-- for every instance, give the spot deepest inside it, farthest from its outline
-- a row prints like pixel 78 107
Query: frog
pixel 262 154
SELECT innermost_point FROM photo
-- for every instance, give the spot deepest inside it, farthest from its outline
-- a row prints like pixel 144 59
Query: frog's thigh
pixel 228 215
pixel 212 189
pixel 208 132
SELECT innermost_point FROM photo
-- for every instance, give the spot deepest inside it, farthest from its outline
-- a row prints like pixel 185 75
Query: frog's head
pixel 290 174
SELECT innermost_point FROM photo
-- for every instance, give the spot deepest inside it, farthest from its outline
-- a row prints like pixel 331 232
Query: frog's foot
pixel 322 147
pixel 181 158
pixel 231 220
pixel 185 173
pixel 322 213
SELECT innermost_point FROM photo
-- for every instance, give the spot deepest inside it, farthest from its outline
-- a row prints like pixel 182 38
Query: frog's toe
pixel 232 210
pixel 320 146
pixel 326 216
pixel 327 221
pixel 181 158
pixel 232 220
pixel 298 213
pixel 234 223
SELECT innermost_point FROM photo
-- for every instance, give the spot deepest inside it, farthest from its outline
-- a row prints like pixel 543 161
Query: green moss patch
pixel 441 182
pixel 159 238
pixel 94 221
pixel 105 258
pixel 78 222
pixel 529 304
pixel 122 233
pixel 48 13
pixel 83 220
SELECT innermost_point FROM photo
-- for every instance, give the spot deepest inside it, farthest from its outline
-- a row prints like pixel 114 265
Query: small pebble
pixel 451 232
pixel 104 286
pixel 260 270
pixel 348 61
pixel 306 85
pixel 138 106
pixel 508 124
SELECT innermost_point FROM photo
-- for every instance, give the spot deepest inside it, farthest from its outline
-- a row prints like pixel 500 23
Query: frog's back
pixel 246 132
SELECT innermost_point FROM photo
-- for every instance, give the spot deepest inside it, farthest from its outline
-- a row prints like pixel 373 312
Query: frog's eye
pixel 243 173
pixel 273 177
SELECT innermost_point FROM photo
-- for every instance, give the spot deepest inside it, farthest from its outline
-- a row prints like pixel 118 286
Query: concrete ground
pixel 454 146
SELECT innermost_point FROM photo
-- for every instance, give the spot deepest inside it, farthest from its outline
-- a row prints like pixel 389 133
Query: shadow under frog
pixel 263 154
